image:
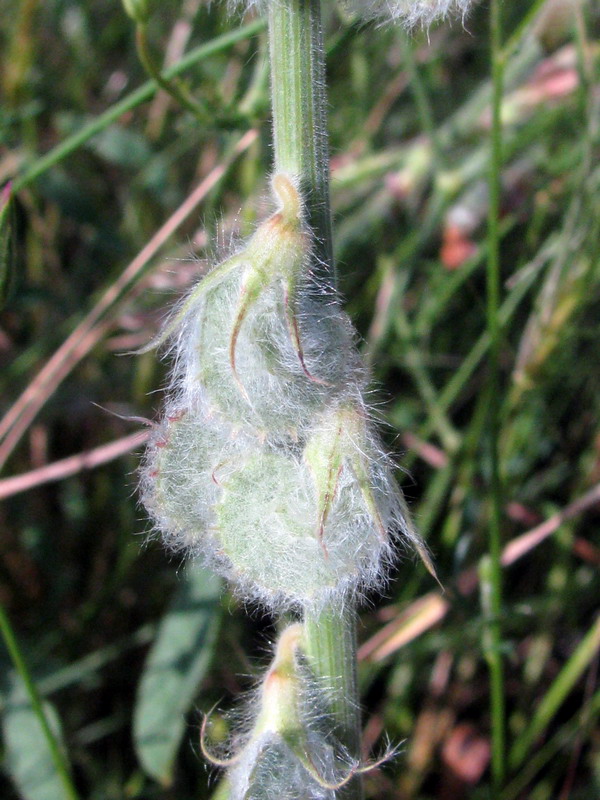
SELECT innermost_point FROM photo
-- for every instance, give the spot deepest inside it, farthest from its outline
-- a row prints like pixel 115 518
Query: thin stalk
pixel 169 85
pixel 563 684
pixel 60 763
pixel 422 100
pixel 449 436
pixel 301 149
pixel 516 37
pixel 493 634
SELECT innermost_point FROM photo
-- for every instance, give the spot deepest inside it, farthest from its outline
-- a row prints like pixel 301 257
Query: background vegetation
pixel 108 229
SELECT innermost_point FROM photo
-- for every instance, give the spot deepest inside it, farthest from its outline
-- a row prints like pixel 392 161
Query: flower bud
pixel 256 339
pixel 327 518
pixel 286 753
pixel 265 464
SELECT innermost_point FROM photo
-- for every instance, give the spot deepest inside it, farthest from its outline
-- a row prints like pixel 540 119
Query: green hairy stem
pixel 331 644
pixel 301 148
pixel 300 111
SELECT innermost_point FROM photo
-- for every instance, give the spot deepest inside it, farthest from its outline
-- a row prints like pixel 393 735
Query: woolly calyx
pixel 265 446
pixel 269 505
pixel 230 499
pixel 286 754
pixel 266 347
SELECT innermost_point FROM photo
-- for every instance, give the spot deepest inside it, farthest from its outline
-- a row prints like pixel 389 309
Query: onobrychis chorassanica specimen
pixel 266 463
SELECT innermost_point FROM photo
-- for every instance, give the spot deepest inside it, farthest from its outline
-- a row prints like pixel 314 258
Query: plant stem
pixel 494 632
pixel 301 149
pixel 331 648
pixel 300 113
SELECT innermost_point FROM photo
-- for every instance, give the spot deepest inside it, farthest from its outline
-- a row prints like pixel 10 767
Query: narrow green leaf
pixel 7 243
pixel 23 696
pixel 177 662
pixel 564 740
pixel 28 758
pixel 556 694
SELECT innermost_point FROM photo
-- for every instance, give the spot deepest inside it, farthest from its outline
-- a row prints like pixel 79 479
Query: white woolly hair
pixel 272 394
pixel 232 499
pixel 178 476
pixel 272 367
pixel 268 767
pixel 410 13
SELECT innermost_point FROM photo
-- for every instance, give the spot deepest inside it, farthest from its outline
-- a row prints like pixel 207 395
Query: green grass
pixel 100 162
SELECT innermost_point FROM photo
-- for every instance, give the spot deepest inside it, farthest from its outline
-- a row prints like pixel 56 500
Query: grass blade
pixel 556 694
pixel 134 99
pixel 29 733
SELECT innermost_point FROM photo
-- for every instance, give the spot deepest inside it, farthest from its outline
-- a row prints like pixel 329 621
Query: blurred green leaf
pixel 122 147
pixel 177 662
pixel 115 144
pixel 28 758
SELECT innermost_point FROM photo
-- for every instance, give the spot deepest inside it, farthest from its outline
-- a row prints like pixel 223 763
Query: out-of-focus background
pixel 126 647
